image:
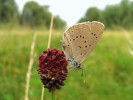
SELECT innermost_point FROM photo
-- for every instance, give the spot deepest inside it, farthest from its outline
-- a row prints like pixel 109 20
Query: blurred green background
pixel 108 70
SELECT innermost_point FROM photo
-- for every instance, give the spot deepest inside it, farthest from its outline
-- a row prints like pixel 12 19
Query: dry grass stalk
pixel 30 67
pixel 49 42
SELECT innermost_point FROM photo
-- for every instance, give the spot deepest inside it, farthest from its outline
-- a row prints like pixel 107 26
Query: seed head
pixel 52 69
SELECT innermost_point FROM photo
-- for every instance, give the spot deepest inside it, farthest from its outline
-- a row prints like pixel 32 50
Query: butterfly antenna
pixel 82 70
pixel 82 73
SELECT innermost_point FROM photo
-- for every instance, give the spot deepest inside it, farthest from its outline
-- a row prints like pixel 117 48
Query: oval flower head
pixel 52 69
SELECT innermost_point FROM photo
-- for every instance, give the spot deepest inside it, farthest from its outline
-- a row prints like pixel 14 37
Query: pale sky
pixel 70 10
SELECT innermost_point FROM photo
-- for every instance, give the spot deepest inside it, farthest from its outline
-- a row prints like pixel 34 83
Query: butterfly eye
pixel 77 65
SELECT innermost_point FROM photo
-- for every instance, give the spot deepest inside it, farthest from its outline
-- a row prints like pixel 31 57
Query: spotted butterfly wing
pixel 79 40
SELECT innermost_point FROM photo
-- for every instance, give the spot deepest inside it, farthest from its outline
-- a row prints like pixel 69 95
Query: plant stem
pixel 42 93
pixel 53 95
pixel 30 67
pixel 49 42
pixel 50 31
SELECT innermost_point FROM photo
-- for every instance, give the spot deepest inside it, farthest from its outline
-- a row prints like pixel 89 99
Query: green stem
pixel 53 95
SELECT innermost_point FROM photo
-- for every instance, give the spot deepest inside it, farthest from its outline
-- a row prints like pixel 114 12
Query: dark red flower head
pixel 52 68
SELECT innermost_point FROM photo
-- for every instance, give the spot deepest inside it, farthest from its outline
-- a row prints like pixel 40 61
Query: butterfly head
pixel 78 65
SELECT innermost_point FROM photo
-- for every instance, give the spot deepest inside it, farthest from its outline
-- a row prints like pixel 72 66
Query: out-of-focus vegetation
pixel 8 11
pixel 33 15
pixel 113 16
pixel 108 71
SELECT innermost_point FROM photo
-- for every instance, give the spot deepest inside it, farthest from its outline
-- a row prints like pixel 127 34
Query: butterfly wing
pixel 70 39
pixel 80 39
pixel 92 36
pixel 66 46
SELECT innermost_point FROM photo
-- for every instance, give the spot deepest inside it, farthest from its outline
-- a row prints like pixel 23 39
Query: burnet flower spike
pixel 52 69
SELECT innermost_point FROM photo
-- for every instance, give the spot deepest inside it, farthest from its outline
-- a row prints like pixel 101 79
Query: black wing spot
pixel 85 46
pixel 83 37
pixel 70 39
pixel 80 36
pixel 67 45
pixel 92 33
pixel 79 46
pixel 84 41
pixel 96 37
pixel 76 36
pixel 74 39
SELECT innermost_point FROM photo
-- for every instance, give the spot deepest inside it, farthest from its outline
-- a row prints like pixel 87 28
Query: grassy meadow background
pixel 108 70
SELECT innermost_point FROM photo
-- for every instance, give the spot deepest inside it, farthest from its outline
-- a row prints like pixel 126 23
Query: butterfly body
pixel 73 62
pixel 79 40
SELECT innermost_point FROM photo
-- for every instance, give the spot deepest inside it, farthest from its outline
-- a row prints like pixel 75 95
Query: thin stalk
pixel 30 67
pixel 49 42
pixel 50 31
pixel 53 95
